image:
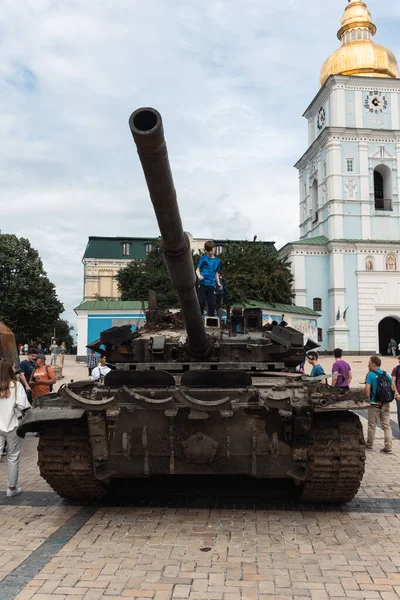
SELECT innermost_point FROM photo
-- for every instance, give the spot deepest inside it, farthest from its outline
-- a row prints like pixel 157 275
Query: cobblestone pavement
pixel 193 540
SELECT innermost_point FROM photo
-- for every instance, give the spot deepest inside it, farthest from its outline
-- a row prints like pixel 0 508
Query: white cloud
pixel 231 79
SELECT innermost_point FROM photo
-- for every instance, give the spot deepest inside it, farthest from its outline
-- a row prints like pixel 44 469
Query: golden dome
pixel 359 55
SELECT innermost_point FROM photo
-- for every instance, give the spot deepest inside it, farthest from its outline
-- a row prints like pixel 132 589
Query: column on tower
pixel 335 190
pixel 338 331
pixel 365 189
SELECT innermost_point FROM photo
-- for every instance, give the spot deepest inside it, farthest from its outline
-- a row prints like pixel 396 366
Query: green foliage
pixel 63 332
pixel 100 298
pixel 252 272
pixel 28 300
pixel 150 273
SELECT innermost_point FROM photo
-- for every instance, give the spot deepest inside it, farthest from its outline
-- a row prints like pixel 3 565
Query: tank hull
pixel 274 430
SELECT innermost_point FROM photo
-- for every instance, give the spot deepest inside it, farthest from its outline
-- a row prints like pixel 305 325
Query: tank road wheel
pixel 65 461
pixel 336 458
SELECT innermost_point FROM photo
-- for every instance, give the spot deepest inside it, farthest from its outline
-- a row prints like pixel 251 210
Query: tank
pixel 214 401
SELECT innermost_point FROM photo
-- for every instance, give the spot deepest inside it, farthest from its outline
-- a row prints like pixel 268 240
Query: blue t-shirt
pixel 26 367
pixel 372 379
pixel 317 371
pixel 208 267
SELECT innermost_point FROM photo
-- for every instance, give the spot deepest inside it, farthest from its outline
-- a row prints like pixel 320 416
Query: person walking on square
pixel 393 346
pixel 378 394
pixel 396 388
pixel 341 371
pixel 92 362
pixel 53 352
pixel 13 400
pixel 208 275
pixel 62 351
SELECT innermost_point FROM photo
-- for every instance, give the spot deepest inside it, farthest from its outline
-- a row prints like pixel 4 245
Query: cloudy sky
pixel 231 79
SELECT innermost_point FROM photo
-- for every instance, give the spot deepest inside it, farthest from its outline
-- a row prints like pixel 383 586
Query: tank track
pixel 336 458
pixel 65 462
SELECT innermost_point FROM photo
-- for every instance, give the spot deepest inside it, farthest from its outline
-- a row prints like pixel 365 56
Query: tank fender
pixel 34 419
pixel 86 403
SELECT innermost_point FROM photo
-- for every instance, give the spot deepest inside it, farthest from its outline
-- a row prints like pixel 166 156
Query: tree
pixel 252 272
pixel 150 273
pixel 28 300
pixel 63 331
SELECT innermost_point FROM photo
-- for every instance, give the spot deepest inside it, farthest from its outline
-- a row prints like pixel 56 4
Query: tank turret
pixel 147 131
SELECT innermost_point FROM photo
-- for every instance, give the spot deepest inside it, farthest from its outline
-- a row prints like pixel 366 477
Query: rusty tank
pixel 218 401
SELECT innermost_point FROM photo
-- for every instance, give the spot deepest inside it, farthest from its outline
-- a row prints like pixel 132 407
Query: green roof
pixel 351 241
pixel 111 305
pixel 111 247
pixel 283 308
pixel 320 240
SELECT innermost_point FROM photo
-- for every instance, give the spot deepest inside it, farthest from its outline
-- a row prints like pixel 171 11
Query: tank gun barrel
pixel 148 134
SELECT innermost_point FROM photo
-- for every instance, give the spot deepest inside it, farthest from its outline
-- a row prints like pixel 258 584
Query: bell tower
pixel 349 174
pixel 347 260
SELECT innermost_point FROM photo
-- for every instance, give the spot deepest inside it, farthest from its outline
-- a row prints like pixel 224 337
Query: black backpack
pixel 384 390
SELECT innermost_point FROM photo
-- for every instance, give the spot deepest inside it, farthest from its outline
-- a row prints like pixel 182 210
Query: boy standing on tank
pixel 208 275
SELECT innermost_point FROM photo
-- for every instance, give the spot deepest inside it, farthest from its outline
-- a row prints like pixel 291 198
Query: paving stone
pixel 152 546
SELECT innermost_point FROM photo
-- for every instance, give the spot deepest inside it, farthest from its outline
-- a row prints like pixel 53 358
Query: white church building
pixel 346 264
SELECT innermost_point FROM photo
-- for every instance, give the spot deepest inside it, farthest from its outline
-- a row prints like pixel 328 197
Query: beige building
pixel 105 256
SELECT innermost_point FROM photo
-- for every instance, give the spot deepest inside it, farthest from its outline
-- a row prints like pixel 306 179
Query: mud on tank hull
pixel 280 428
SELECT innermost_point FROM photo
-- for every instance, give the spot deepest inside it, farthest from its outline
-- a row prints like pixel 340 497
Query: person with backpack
pixel 396 388
pixel 379 392
pixel 42 378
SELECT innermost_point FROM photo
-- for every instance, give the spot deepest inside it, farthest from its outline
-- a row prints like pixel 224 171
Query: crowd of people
pixel 54 350
pixel 380 390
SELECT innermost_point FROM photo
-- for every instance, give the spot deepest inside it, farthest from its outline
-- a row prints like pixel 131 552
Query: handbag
pixel 17 411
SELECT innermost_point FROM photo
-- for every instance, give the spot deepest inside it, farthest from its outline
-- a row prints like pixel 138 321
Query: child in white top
pixel 12 401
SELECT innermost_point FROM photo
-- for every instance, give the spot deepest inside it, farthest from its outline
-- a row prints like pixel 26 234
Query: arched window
pixel 383 188
pixel 125 249
pixel 370 264
pixel 317 304
pixel 314 201
pixel 359 34
pixel 353 35
pixel 391 262
pixel 365 34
